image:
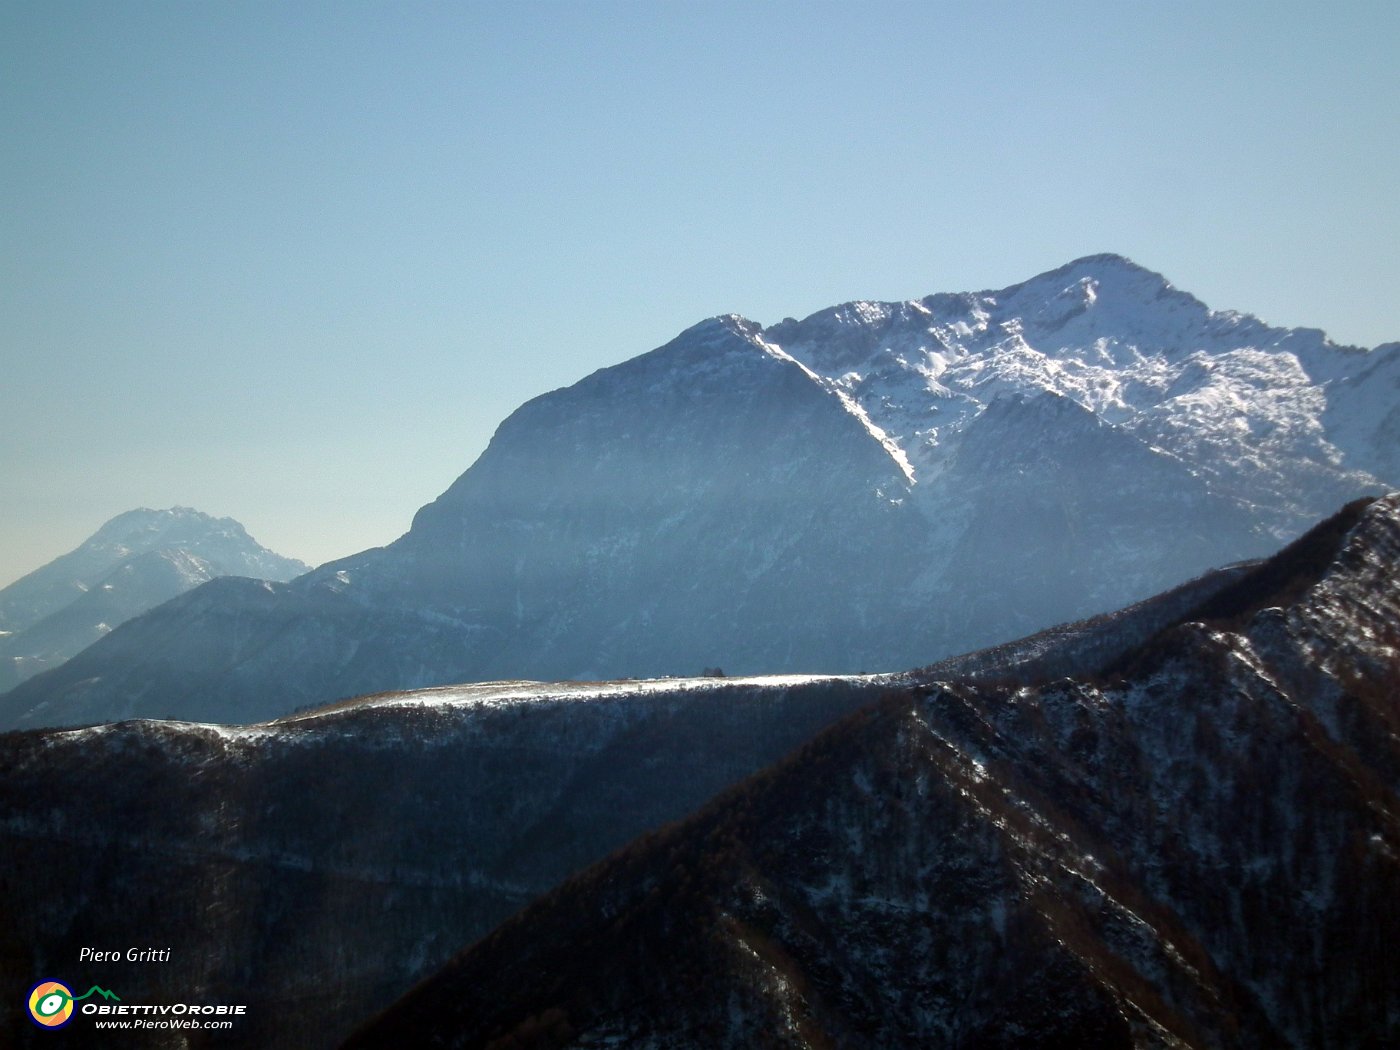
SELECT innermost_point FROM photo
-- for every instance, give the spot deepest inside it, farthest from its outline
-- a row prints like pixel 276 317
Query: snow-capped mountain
pixel 1197 846
pixel 1243 404
pixel 872 488
pixel 131 564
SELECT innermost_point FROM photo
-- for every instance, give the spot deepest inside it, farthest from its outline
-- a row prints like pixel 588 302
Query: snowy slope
pixel 1245 404
pixel 221 542
pixel 1363 412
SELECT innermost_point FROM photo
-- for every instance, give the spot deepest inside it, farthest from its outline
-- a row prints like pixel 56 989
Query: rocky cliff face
pixel 875 487
pixel 1198 846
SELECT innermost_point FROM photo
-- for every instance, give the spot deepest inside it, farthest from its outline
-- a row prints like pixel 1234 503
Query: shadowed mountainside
pixel 1198 848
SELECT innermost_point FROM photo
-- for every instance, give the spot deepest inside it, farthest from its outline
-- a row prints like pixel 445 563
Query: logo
pixel 51 1003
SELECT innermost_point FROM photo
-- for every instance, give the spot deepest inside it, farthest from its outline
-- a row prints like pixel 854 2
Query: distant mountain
pixel 131 564
pixel 876 487
pixel 1197 846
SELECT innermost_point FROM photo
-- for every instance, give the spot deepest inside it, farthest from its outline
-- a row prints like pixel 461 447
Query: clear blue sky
pixel 293 262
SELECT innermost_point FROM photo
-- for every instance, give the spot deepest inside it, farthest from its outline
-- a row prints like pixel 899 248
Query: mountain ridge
pixel 700 504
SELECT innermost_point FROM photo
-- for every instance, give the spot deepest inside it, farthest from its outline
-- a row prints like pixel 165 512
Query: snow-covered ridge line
pixel 481 695
pixel 849 403
pixel 510 692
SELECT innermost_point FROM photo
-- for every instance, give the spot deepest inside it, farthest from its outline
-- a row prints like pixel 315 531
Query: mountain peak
pixel 1108 261
pixel 1115 277
pixel 1104 265
pixel 719 327
pixel 133 562
pixel 147 517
